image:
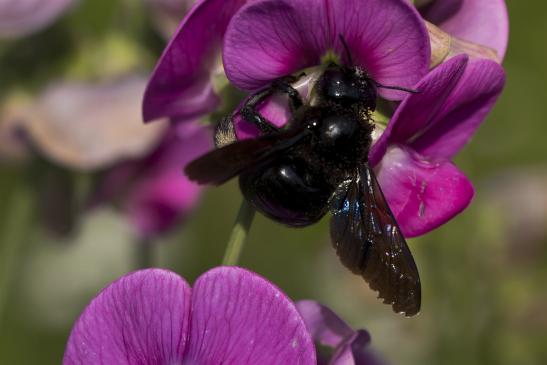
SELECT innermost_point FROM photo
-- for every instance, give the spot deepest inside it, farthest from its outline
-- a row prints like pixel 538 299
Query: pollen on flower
pixel 330 57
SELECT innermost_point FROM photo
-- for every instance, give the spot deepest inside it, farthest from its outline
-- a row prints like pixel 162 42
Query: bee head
pixel 346 86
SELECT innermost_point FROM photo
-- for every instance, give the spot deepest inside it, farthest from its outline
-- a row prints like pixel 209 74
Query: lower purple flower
pixel 230 316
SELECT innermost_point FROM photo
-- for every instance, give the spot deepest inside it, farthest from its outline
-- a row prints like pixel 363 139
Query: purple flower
pixel 483 22
pixel 349 347
pixel 142 164
pixel 230 316
pixel 154 192
pixel 268 39
pixel 22 17
pixel 413 155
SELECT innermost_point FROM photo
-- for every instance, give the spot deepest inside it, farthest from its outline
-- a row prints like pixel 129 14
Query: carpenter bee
pixel 319 162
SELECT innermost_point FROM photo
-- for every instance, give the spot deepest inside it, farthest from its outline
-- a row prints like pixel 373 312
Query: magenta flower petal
pixel 22 17
pixel 355 351
pixel 463 112
pixel 180 85
pixel 387 37
pixel 160 202
pixel 142 318
pixel 422 194
pixel 268 39
pixel 239 318
pixel 480 21
pixel 323 324
pixel 418 111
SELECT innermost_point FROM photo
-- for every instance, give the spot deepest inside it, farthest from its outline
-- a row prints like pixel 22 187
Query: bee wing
pixel 220 165
pixel 369 242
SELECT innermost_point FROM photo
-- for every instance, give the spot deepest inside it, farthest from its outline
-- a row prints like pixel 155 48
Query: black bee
pixel 319 162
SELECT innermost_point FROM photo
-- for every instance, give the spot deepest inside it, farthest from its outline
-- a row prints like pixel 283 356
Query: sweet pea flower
pixel 97 128
pixel 153 191
pixel 483 22
pixel 230 316
pixel 412 157
pixel 349 347
pixel 22 17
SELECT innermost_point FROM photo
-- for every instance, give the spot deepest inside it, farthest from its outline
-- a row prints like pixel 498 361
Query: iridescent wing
pixel 369 242
pixel 220 165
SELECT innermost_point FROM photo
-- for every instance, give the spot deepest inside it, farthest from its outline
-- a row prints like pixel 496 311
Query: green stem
pixel 14 235
pixel 144 257
pixel 241 228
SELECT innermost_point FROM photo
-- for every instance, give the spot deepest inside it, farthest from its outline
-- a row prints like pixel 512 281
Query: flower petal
pixel 268 39
pixel 88 126
pixel 388 38
pixel 418 111
pixel 464 110
pixel 159 203
pixel 180 84
pixel 323 324
pixel 422 194
pixel 22 17
pixel 481 21
pixel 240 318
pixel 141 318
pixel 355 351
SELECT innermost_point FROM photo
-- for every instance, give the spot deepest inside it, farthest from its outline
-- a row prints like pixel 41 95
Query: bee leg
pixel 224 133
pixel 251 115
pixel 295 100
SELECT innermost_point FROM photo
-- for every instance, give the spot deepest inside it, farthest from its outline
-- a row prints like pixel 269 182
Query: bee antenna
pixel 346 48
pixel 412 91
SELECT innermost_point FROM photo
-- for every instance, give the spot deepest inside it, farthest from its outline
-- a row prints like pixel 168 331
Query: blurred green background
pixel 484 274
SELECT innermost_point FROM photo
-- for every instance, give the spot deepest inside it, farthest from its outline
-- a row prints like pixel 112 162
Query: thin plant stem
pixel 13 236
pixel 239 234
pixel 144 256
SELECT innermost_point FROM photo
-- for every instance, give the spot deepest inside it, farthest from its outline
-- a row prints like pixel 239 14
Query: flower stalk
pixel 239 234
pixel 145 254
pixel 15 234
